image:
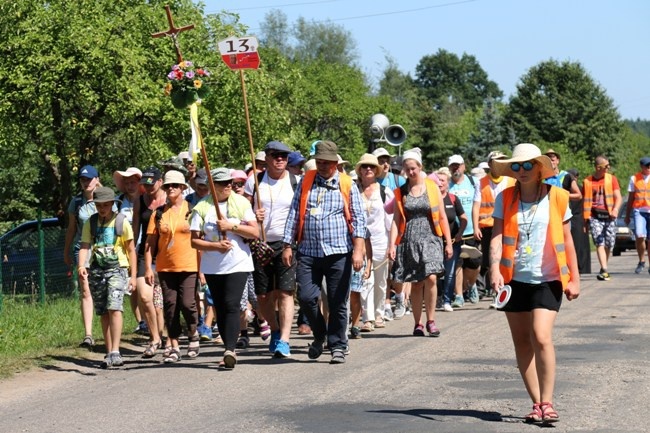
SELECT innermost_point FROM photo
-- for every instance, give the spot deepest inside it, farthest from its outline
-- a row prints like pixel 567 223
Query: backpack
pixel 106 257
pixel 78 202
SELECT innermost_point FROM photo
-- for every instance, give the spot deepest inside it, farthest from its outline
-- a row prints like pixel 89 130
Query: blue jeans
pixel 336 269
pixel 450 274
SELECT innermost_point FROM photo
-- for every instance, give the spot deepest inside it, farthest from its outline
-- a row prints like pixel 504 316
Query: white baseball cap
pixel 380 151
pixel 455 159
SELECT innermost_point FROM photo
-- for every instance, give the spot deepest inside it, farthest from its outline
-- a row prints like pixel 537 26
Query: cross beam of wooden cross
pixel 173 32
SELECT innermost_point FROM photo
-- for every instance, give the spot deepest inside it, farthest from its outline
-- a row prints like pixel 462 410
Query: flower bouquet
pixel 187 84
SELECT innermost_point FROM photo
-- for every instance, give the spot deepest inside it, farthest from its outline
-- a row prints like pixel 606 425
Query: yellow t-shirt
pixel 105 240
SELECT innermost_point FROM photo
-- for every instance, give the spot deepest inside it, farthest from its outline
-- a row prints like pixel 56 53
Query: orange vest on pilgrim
pixel 558 203
pixel 589 194
pixel 345 185
pixel 487 200
pixel 641 192
pixel 432 194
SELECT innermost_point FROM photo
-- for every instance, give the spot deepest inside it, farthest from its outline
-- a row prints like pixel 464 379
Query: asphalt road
pixel 464 381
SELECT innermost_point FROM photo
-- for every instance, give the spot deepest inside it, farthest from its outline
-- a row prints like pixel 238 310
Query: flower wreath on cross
pixel 187 84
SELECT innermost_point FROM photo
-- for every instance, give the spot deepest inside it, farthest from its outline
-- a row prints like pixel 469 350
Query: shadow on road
pixel 430 414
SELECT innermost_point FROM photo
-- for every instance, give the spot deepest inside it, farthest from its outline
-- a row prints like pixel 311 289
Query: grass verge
pixel 32 335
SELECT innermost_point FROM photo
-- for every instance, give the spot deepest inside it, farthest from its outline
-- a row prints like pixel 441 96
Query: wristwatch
pixel 235 227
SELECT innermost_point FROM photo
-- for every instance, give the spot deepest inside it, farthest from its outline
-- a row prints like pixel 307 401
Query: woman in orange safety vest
pixel 532 250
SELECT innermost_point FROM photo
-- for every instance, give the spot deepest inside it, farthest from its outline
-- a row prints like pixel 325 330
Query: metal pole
pixel 41 257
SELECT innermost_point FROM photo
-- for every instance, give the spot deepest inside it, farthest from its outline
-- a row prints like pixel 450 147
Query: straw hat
pixel 174 176
pixel 521 153
pixel 119 176
pixel 368 159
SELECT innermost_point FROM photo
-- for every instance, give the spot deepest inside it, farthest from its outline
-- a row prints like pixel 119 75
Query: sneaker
pixel 400 309
pixel 229 359
pixel 439 303
pixel 108 361
pixel 265 330
pixel 409 308
pixel 418 331
pixel 640 267
pixel 447 307
pixel 432 329
pixel 142 328
pixel 473 294
pixel 603 276
pixel 205 333
pixel 87 342
pixel 355 332
pixel 315 349
pixel 388 314
pixel 243 342
pixel 338 356
pixel 117 359
pixel 458 302
pixel 282 349
pixel 275 337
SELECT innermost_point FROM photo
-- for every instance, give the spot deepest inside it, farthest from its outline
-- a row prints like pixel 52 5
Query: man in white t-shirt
pixel 638 209
pixel 275 281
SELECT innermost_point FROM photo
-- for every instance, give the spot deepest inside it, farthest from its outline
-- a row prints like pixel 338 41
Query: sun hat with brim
pixel 119 176
pixel 368 159
pixel 521 153
pixel 380 151
pixel 238 174
pixel 104 194
pixel 174 176
pixel 327 151
pixel 220 174
pixel 551 152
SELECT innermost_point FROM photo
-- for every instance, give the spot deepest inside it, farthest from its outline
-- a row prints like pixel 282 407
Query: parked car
pixel 20 258
pixel 625 239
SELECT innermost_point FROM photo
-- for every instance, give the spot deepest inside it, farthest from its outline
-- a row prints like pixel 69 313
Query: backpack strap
pixel 118 228
pixel 94 221
pixel 78 202
pixel 119 224
pixel 471 180
pixel 382 191
pixel 120 201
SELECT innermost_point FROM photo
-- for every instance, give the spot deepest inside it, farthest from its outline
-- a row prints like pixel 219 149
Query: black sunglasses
pixel 171 185
pixel 367 166
pixel 276 155
pixel 223 182
pixel 237 184
pixel 527 166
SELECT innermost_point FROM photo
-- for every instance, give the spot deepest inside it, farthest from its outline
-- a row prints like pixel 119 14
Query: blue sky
pixel 610 38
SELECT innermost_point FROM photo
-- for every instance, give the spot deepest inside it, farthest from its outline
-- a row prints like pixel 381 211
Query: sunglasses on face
pixel 277 155
pixel 237 184
pixel 367 166
pixel 224 183
pixel 171 185
pixel 527 166
pixel 384 161
pixel 647 165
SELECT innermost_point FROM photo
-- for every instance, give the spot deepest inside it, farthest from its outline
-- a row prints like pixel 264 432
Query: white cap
pixel 310 165
pixel 341 160
pixel 484 165
pixel 260 156
pixel 455 159
pixel 184 155
pixel 412 154
pixel 380 151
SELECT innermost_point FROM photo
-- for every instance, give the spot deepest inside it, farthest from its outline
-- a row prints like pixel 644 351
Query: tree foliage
pixel 447 79
pixel 560 103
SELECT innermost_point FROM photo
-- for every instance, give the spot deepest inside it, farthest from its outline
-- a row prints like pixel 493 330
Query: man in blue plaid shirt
pixel 328 224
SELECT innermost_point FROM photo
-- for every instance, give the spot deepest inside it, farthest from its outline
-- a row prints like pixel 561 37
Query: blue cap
pixel 295 158
pixel 88 171
pixel 645 160
pixel 277 146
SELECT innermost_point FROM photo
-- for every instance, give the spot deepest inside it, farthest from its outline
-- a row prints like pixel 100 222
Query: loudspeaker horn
pixel 395 135
pixel 378 123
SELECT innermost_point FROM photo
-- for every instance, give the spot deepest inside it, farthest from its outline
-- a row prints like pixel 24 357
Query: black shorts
pixel 275 275
pixel 485 246
pixel 142 268
pixel 527 297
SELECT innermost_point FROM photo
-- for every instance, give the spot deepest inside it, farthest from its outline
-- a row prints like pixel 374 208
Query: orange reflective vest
pixel 487 200
pixel 434 204
pixel 558 202
pixel 589 193
pixel 641 192
pixel 345 185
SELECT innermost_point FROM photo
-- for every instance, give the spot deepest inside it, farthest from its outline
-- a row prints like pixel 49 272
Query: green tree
pixel 560 103
pixel 447 79
pixel 490 134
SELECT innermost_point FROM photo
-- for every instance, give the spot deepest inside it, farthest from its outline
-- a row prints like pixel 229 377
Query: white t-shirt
pixel 630 188
pixel 495 187
pixel 276 196
pixel 378 221
pixel 237 259
pixel 535 260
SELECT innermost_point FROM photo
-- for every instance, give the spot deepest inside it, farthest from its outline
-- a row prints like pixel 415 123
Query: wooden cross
pixel 173 32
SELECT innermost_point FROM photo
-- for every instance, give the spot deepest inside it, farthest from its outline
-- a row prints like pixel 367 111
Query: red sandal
pixel 536 415
pixel 549 414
